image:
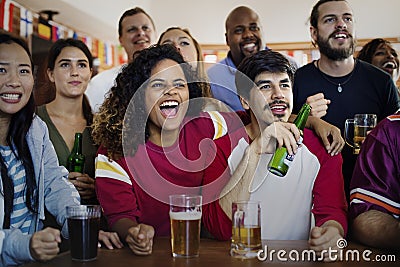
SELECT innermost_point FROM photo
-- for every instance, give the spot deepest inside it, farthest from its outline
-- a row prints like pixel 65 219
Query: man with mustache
pixel 136 32
pixel 338 86
pixel 244 37
pixel 309 196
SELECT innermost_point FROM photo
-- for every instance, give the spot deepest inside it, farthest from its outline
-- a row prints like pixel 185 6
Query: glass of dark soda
pixel 83 228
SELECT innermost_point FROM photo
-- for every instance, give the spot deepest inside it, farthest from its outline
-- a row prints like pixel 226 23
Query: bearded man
pixel 338 86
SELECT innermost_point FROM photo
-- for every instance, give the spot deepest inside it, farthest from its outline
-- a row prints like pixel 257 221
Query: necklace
pixel 339 85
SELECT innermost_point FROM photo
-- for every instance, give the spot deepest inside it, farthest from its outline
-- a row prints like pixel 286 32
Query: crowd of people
pixel 161 125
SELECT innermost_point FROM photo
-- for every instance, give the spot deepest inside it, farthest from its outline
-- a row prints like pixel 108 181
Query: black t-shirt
pixel 368 90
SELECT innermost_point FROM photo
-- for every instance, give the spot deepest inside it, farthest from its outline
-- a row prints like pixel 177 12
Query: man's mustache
pixel 276 102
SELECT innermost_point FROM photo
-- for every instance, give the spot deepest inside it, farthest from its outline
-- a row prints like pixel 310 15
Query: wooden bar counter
pixel 216 253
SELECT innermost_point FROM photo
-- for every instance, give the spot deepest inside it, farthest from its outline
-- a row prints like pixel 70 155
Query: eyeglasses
pixel 242 29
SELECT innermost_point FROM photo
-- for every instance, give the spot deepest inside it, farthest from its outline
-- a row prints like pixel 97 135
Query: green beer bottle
pixel 279 164
pixel 76 160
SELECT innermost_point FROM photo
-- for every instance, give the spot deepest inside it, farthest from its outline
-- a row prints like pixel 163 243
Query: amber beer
pixel 246 240
pixel 360 133
pixel 185 233
pixel 185 216
pixel 246 229
pixel 362 124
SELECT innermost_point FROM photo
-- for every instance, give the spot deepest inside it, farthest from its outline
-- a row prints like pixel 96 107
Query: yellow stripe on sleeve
pixel 110 169
pixel 220 127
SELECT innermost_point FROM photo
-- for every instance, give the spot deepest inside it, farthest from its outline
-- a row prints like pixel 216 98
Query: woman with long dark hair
pixel 69 68
pixel 31 177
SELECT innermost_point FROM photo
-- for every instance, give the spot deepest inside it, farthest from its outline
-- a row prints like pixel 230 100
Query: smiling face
pixel 335 34
pixel 243 34
pixel 16 79
pixel 137 34
pixel 273 93
pixel 166 98
pixel 183 42
pixel 386 58
pixel 71 73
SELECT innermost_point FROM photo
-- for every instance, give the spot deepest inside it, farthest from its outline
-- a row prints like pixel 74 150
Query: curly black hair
pixel 368 50
pixel 114 117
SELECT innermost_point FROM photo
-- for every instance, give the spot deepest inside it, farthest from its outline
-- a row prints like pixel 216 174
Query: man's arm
pixel 377 229
pixel 238 186
pixel 330 135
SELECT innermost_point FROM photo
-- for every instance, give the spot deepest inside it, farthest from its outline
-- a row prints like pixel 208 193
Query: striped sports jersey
pixel 20 216
pixel 137 187
pixel 376 179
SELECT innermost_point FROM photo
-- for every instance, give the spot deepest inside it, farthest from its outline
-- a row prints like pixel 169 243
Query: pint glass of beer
pixel 246 229
pixel 185 216
pixel 362 124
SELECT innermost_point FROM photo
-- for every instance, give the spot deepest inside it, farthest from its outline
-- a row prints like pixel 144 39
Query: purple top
pixel 376 177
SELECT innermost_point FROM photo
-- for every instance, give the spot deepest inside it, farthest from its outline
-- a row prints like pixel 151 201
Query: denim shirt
pixel 54 190
pixel 222 82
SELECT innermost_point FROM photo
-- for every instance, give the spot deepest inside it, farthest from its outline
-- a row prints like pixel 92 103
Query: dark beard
pixel 333 53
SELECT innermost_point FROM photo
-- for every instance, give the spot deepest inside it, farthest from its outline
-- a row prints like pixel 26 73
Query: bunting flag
pixel 108 54
pixel 26 25
pixel 88 41
pixel 7 14
pixel 100 54
pixel 122 56
pixel 95 48
pixel 44 31
pixel 57 32
pixel 16 19
pixel 2 11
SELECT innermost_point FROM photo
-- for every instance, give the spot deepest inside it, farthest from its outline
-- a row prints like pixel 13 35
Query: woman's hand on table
pixel 140 239
pixel 110 239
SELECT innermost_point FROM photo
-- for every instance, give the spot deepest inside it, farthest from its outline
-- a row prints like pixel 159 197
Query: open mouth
pixel 340 36
pixel 249 48
pixel 10 96
pixel 140 42
pixel 389 65
pixel 278 108
pixel 169 108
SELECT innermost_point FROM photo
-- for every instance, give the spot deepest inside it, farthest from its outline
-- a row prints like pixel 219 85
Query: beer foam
pixel 185 216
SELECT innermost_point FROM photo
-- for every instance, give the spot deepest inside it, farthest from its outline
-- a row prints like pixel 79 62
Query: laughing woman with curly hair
pixel 152 134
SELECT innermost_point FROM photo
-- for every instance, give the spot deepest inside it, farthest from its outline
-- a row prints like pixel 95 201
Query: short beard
pixel 336 54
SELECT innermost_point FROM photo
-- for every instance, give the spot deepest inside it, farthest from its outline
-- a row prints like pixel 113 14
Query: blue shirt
pixel 222 81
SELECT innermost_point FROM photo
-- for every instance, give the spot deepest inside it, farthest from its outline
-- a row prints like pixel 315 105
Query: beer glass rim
pixel 83 207
pixel 246 202
pixel 365 114
pixel 184 196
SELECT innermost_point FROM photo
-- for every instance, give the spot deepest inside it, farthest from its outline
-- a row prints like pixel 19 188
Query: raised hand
pixel 319 105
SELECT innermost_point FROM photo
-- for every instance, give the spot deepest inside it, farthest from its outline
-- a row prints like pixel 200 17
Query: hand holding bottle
pixel 279 164
pixel 83 183
pixel 278 134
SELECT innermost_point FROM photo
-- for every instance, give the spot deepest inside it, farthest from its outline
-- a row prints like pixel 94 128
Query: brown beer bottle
pixel 279 164
pixel 76 160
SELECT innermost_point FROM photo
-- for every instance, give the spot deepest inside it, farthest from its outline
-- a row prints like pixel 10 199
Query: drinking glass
pixel 185 216
pixel 246 229
pixel 361 125
pixel 83 228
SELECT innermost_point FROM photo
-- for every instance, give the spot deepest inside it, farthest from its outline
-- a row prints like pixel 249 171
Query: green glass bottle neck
pixel 77 144
pixel 302 117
